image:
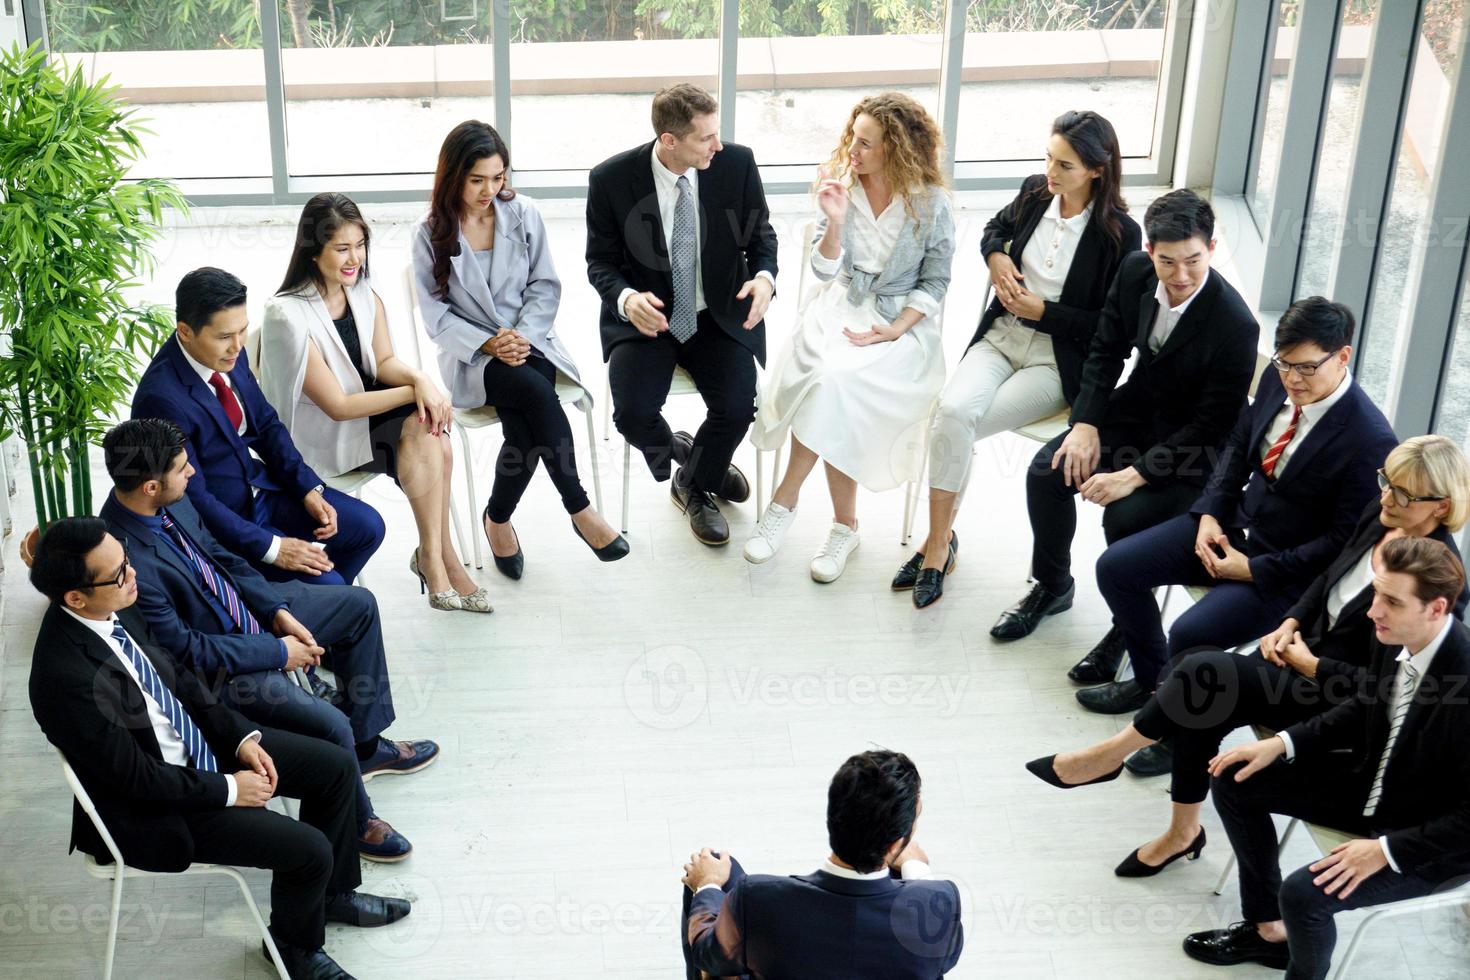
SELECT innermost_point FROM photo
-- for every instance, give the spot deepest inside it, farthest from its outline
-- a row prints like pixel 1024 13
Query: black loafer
pixel 705 520
pixel 1241 943
pixel 1113 698
pixel 364 910
pixel 908 573
pixel 1022 618
pixel 307 964
pixel 1101 663
pixel 1152 760
pixel 928 588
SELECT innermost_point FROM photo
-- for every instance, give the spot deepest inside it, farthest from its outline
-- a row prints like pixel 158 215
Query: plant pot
pixel 28 546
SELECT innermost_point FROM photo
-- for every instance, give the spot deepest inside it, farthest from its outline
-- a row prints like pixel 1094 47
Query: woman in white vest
pixel 328 366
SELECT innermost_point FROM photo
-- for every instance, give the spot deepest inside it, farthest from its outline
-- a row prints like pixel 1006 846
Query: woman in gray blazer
pixel 489 293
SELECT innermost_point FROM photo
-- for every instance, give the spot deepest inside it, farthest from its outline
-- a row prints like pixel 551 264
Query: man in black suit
pixel 178 778
pixel 1144 450
pixel 1391 765
pixel 872 910
pixel 681 250
pixel 1289 487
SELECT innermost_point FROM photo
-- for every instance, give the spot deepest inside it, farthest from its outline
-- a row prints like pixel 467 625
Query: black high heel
pixel 513 566
pixel 1045 770
pixel 1133 866
pixel 612 551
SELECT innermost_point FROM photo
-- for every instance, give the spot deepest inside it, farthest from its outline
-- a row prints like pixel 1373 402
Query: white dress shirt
pixel 170 743
pixel 1048 254
pixel 1168 316
pixel 1311 415
pixel 913 869
pixel 1346 588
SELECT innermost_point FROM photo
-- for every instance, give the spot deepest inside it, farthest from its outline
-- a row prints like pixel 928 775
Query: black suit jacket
pixel 1071 320
pixel 626 247
pixel 1299 521
pixel 822 927
pixel 92 711
pixel 1186 397
pixel 1425 807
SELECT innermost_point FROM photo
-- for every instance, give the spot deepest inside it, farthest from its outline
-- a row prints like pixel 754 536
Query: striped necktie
pixel 1273 455
pixel 149 680
pixel 1408 685
pixel 213 580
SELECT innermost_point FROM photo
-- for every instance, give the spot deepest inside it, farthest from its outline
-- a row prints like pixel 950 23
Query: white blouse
pixel 1048 254
pixel 1345 589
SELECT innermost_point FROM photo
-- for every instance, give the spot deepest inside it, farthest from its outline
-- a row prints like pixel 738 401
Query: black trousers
pixel 724 372
pixel 1321 791
pixel 310 858
pixel 536 430
pixel 1053 512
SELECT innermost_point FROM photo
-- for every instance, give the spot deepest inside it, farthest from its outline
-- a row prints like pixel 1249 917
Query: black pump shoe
pixel 612 551
pixel 1133 866
pixel 908 573
pixel 513 566
pixel 1045 770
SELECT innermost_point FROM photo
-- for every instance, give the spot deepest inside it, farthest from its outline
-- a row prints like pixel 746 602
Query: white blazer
pixel 291 322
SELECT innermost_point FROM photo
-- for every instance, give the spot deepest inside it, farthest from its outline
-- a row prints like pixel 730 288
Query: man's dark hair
pixel 1316 320
pixel 1179 216
pixel 1437 573
pixel 140 450
pixel 203 293
pixel 60 563
pixel 872 802
pixel 675 107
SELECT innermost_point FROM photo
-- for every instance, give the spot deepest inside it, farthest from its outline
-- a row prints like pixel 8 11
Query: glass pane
pixel 1272 120
pixel 200 79
pixel 1027 63
pixel 1324 218
pixel 372 86
pixel 582 73
pixel 1405 227
pixel 1453 415
pixel 803 64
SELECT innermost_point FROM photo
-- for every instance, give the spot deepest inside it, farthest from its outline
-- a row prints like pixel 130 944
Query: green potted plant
pixel 74 237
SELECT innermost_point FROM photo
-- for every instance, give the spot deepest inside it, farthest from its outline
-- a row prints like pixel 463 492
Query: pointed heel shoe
pixel 511 567
pixel 1133 866
pixel 1045 770
pixel 612 551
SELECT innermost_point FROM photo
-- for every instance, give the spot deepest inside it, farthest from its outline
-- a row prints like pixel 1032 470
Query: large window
pixel 1271 116
pixel 1453 416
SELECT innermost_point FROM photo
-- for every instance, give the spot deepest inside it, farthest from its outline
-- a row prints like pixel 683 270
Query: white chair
pixel 117 871
pixel 568 392
pixel 681 384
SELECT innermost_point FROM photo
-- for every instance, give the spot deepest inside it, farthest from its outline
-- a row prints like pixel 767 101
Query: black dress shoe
pixel 1113 698
pixel 683 448
pixel 1152 760
pixel 307 964
pixel 1022 618
pixel 1046 771
pixel 735 487
pixel 705 520
pixel 511 567
pixel 1101 663
pixel 1241 943
pixel 1133 866
pixel 908 573
pixel 361 909
pixel 612 551
pixel 322 689
pixel 929 588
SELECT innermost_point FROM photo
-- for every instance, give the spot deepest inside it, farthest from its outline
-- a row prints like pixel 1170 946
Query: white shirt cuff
pixel 708 885
pixel 269 558
pixel 766 275
pixel 913 869
pixel 824 266
pixel 230 793
pixel 923 302
pixel 1290 748
pixel 1388 855
pixel 623 302
pixel 252 737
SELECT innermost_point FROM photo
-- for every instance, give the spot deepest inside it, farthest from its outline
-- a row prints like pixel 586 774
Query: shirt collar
pixel 204 373
pixel 1313 413
pixel 1421 659
pixel 1075 223
pixel 102 627
pixel 663 175
pixel 1162 295
pixel 839 871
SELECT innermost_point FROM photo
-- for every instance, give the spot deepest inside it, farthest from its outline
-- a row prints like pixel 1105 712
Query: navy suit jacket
pixel 1299 522
pixel 221 490
pixel 176 606
pixel 822 927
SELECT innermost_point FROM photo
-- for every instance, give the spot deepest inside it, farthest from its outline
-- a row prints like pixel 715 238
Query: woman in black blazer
pixel 1052 253
pixel 1313 661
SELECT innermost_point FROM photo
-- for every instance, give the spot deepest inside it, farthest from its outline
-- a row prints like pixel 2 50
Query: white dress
pixel 864 410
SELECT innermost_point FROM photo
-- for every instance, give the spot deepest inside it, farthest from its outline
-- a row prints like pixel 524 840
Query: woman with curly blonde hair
pixel 864 365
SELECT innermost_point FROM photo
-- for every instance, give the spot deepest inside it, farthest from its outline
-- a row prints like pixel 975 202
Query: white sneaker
pixel 828 563
pixel 768 533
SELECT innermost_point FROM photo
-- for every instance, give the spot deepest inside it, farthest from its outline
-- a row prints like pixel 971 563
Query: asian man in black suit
pixel 1391 766
pixel 177 777
pixel 681 250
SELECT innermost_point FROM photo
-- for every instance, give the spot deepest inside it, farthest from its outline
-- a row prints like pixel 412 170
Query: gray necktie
pixel 1409 684
pixel 682 265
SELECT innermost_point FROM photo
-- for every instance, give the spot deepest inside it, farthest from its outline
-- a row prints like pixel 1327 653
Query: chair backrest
pixel 252 350
pixel 88 807
pixel 417 331
pixel 1263 361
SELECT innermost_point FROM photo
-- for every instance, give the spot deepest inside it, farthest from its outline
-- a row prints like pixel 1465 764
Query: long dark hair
pixel 1092 138
pixel 466 145
pixel 323 216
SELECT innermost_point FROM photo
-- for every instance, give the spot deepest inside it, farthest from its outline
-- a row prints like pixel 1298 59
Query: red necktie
pixel 1273 455
pixel 228 401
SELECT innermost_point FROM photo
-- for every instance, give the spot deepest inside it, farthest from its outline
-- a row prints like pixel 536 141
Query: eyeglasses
pixel 118 579
pixel 1305 370
pixel 1401 496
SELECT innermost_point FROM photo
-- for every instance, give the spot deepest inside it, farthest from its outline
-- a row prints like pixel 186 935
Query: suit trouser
pixel 1053 512
pixel 360 531
pixel 1321 791
pixel 310 858
pixel 536 428
pixel 692 972
pixel 1232 613
pixel 640 370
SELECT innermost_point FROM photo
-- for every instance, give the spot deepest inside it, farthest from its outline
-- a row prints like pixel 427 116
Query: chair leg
pixel 1225 875
pixel 469 482
pixel 592 451
pixel 265 934
pixel 1163 600
pixel 607 411
pixel 457 526
pixel 118 873
pixel 627 479
pixel 361 580
pixel 760 484
pixel 1124 665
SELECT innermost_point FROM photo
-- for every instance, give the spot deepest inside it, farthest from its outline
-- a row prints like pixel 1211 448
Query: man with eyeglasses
pixel 1289 487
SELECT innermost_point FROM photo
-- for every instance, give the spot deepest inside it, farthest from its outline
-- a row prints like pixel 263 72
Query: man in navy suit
pixel 1289 487
pixel 254 492
pixel 872 910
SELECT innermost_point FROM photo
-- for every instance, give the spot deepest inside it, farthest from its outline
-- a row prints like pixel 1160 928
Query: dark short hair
pixel 872 802
pixel 1316 320
pixel 60 562
pixel 140 450
pixel 675 107
pixel 203 293
pixel 1179 216
pixel 1436 572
